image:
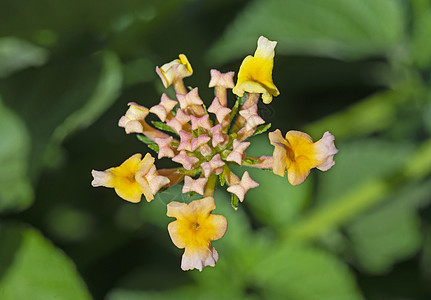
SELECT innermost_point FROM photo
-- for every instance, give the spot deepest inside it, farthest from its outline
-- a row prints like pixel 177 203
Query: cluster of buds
pixel 205 143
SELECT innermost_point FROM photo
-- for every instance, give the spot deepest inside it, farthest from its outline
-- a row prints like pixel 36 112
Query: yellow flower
pixel 255 73
pixel 194 230
pixel 175 70
pixel 132 179
pixel 297 154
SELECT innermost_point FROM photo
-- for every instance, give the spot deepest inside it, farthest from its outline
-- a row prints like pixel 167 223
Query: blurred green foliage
pixel 360 69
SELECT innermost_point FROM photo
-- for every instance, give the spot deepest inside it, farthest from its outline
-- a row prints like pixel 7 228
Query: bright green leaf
pixel 262 128
pixel 422 39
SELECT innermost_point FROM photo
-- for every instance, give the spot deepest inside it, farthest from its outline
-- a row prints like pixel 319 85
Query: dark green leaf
pixel 104 95
pixel 16 192
pixel 390 232
pixel 345 29
pixel 17 54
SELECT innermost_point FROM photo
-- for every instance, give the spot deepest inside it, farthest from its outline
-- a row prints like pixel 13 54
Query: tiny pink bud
pixel 215 165
pixel 221 112
pixel 165 149
pixel 199 141
pixel 238 154
pixel 221 79
pixel 251 117
pixel 202 122
pixel 164 107
pixel 191 102
pixel 197 185
pixel 241 188
pixel 179 121
pixel 218 137
pixel 188 162
pixel 185 141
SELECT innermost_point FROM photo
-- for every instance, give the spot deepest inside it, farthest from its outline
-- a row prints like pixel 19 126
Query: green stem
pixel 210 187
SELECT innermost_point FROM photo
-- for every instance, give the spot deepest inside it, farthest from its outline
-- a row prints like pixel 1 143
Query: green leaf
pixel 222 179
pixel 303 272
pixel 78 92
pixel 336 28
pixel 104 95
pixel 37 270
pixel 234 201
pixel 390 232
pixel 191 194
pixel 145 139
pixel 250 161
pixel 180 294
pixel 17 54
pixel 154 147
pixel 16 192
pixel 262 128
pixel 163 126
pixel 422 39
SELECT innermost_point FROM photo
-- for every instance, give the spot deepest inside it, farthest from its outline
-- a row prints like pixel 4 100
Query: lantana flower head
pixel 204 144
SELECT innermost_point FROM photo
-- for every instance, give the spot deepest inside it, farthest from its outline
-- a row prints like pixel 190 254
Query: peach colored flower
pixel 132 178
pixel 297 154
pixel 194 230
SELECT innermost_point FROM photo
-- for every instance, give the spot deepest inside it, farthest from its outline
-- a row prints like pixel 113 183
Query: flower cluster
pixel 205 142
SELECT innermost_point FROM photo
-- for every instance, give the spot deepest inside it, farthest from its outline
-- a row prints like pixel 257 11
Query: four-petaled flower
pixel 194 230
